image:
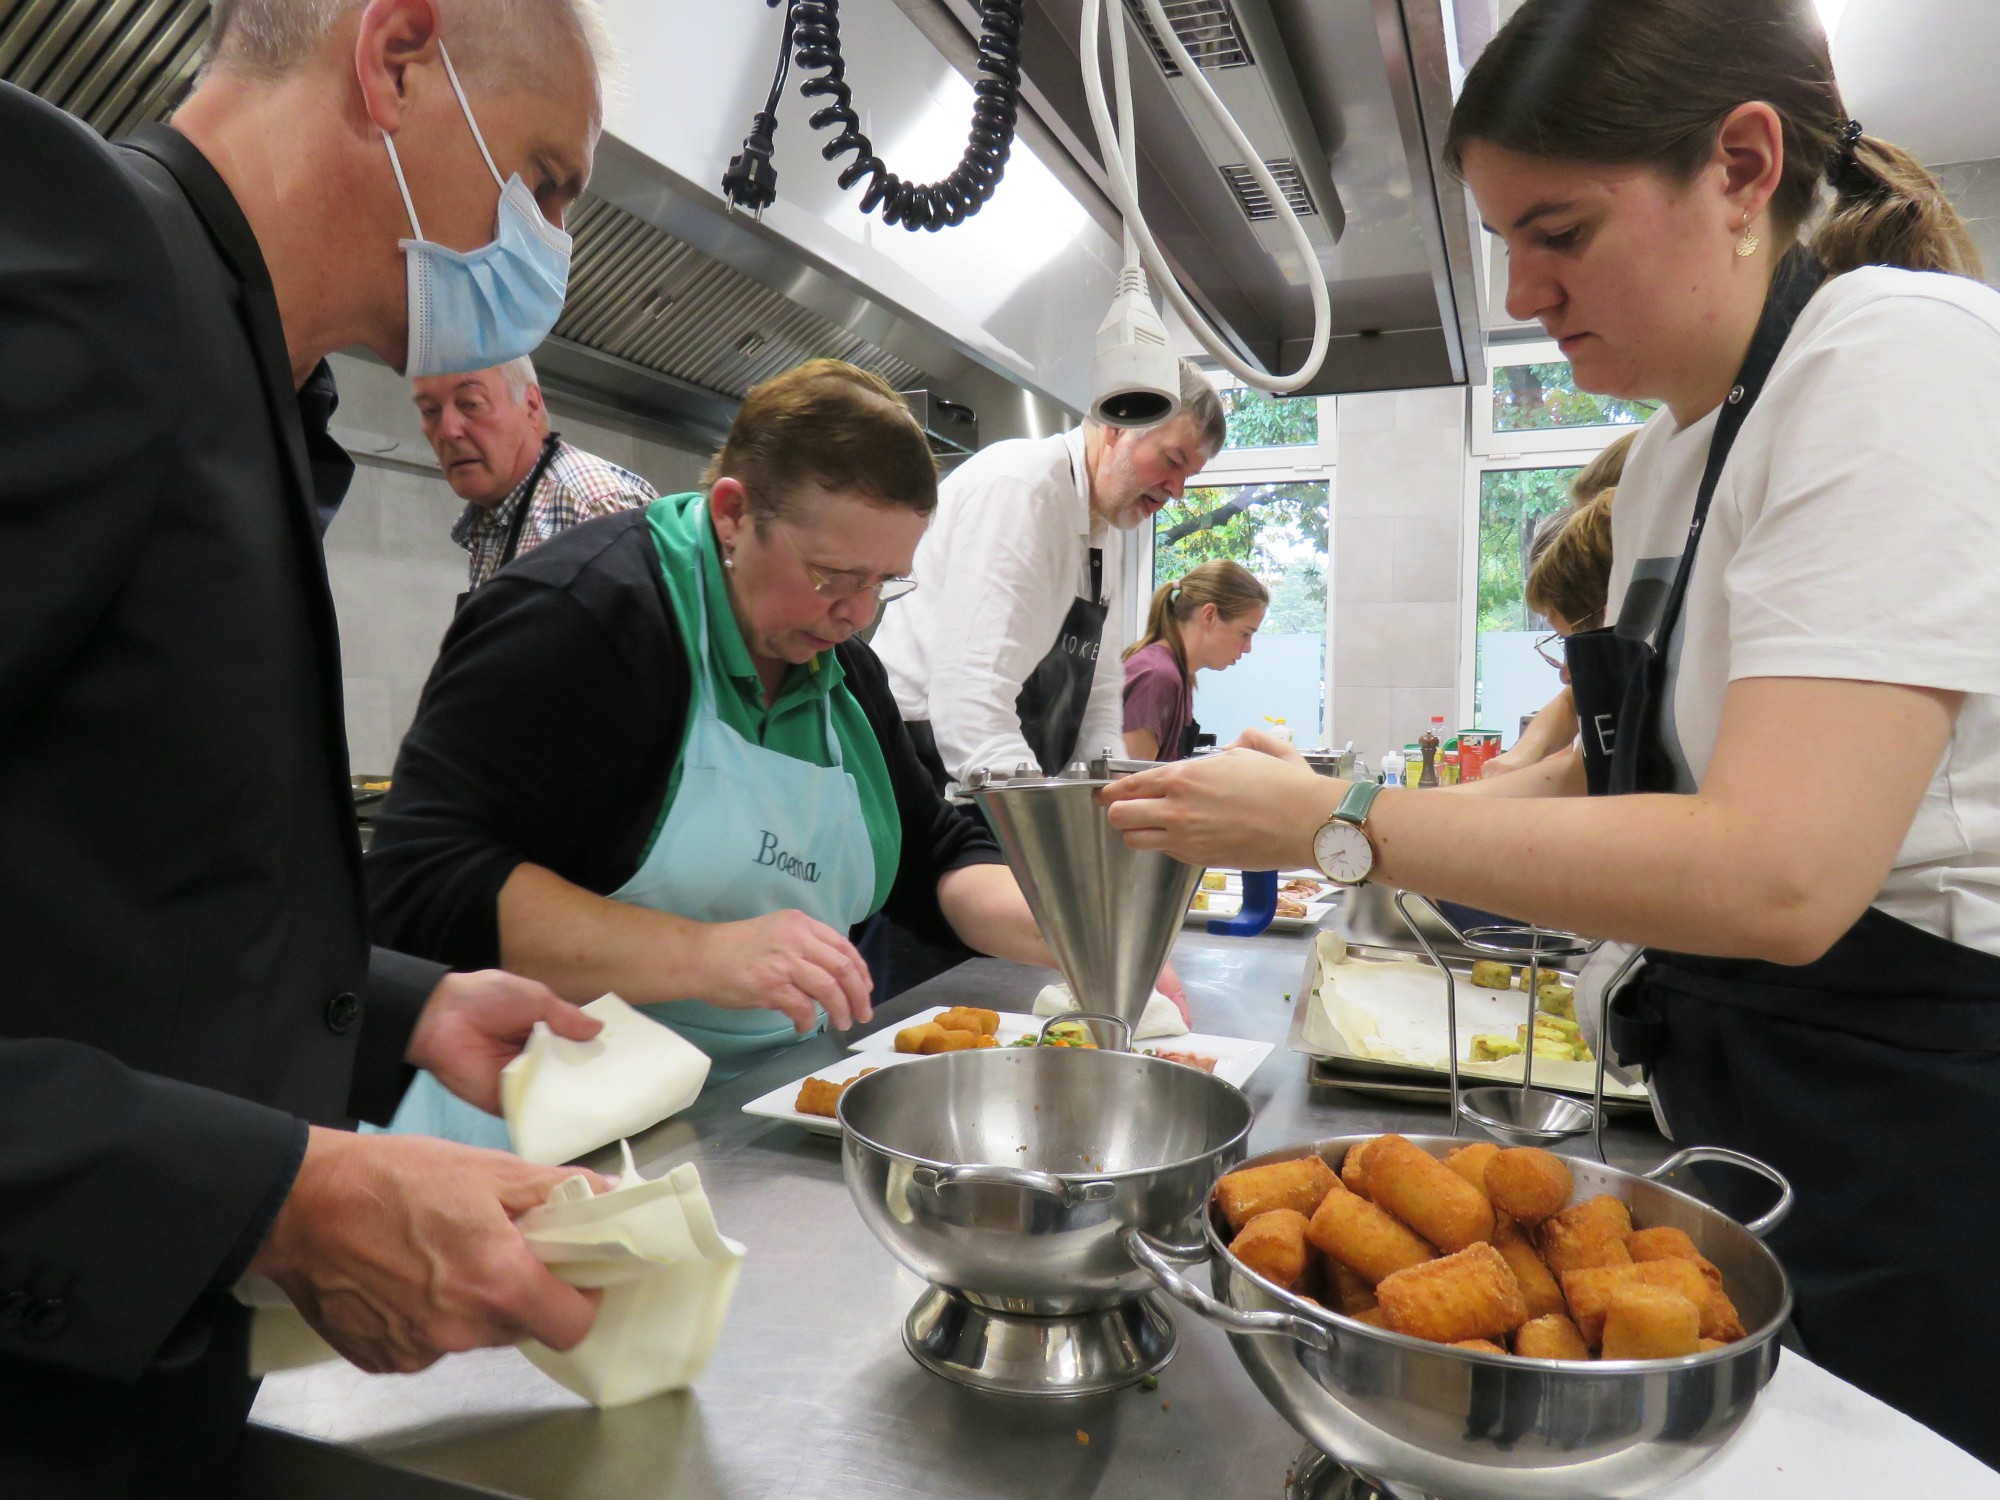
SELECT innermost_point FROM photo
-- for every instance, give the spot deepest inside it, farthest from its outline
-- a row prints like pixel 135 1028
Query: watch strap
pixel 1360 798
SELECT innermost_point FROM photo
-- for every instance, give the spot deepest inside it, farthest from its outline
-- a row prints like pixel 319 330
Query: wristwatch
pixel 1340 848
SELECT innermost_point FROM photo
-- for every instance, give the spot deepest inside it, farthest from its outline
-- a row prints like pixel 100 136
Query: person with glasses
pixel 1567 585
pixel 655 758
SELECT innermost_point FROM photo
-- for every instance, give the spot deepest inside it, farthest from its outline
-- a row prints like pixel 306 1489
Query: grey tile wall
pixel 394 570
pixel 1398 503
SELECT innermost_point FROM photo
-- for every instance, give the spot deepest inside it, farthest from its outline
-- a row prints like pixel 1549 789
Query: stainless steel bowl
pixel 1006 1175
pixel 1441 1421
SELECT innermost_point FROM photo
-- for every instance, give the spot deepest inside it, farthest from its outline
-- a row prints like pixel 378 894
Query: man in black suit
pixel 190 1014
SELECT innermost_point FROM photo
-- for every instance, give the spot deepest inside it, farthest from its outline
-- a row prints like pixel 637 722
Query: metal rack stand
pixel 1523 1115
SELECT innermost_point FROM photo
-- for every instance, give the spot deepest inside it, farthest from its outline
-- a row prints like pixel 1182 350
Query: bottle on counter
pixel 1392 769
pixel 1428 744
pixel 1277 729
pixel 1449 768
pixel 1413 764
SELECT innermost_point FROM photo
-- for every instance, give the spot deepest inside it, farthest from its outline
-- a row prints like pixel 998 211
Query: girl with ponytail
pixel 1203 621
pixel 1792 721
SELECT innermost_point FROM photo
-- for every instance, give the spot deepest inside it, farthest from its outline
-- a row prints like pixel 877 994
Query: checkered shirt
pixel 577 487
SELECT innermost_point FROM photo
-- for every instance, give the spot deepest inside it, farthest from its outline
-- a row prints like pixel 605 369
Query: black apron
pixel 1052 701
pixel 1870 1077
pixel 535 475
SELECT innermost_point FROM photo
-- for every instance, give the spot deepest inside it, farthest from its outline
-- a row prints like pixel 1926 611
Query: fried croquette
pixel 1468 1295
pixel 1538 1284
pixel 1470 1162
pixel 943 1040
pixel 1350 1290
pixel 1298 1185
pixel 1274 1246
pixel 1363 1238
pixel 1427 1195
pixel 1551 1336
pixel 912 1038
pixel 1586 1234
pixel 1483 1346
pixel 970 1018
pixel 1668 1243
pixel 1650 1322
pixel 819 1096
pixel 1354 1168
pixel 1590 1290
pixel 1527 1183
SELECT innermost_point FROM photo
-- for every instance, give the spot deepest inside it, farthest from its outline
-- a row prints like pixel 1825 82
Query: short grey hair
pixel 519 374
pixel 501 41
pixel 1200 405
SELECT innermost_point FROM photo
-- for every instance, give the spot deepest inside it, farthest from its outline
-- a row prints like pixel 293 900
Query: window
pixel 1278 530
pixel 1509 680
pixel 1260 421
pixel 1537 397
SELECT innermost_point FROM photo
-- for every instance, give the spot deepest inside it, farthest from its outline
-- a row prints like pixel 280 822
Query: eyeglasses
pixel 845 583
pixel 1542 644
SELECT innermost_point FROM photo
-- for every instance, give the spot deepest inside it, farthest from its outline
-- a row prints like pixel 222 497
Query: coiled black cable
pixel 814 29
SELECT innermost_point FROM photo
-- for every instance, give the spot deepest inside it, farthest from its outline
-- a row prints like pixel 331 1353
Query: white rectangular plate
pixel 1235 1058
pixel 777 1105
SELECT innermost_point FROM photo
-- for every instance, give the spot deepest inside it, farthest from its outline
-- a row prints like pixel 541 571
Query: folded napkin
pixel 565 1099
pixel 666 1270
pixel 1161 1018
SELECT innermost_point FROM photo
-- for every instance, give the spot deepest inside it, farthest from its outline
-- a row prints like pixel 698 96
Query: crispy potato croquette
pixel 1667 1243
pixel 1351 1292
pixel 1483 1346
pixel 1274 1246
pixel 1373 1317
pixel 1590 1290
pixel 818 1096
pixel 970 1018
pixel 1539 1287
pixel 1469 1295
pixel 1298 1185
pixel 1427 1195
pixel 1586 1234
pixel 1470 1162
pixel 912 1038
pixel 1650 1322
pixel 943 1040
pixel 1354 1168
pixel 1363 1238
pixel 1551 1336
pixel 1528 1183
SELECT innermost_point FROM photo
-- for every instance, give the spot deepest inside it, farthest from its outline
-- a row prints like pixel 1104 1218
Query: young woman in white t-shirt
pixel 1812 855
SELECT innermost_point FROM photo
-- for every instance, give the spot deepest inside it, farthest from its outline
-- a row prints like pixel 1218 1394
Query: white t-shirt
pixel 1854 534
pixel 1006 556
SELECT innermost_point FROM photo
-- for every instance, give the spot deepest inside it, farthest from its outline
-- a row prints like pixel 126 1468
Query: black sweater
pixel 547 734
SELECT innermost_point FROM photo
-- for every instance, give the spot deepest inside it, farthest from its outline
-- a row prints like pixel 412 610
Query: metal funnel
pixel 1109 913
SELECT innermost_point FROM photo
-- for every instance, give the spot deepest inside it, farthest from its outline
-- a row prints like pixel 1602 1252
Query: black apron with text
pixel 1869 1077
pixel 1052 701
pixel 507 553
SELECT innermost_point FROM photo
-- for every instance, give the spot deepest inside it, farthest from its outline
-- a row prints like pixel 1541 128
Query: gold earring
pixel 1747 245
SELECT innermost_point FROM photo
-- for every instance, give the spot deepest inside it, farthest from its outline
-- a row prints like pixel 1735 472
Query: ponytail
pixel 1889 211
pixel 1232 588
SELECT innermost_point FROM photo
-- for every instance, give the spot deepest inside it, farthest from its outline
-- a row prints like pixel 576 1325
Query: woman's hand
pixel 1169 984
pixel 1271 745
pixel 1242 809
pixel 789 963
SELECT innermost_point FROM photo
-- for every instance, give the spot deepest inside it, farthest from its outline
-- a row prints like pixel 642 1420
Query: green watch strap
pixel 1360 797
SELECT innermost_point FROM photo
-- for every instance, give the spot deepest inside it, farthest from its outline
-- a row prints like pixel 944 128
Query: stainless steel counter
pixel 811 1395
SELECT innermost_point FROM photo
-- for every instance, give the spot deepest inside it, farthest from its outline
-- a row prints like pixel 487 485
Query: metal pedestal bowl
pixel 1418 1420
pixel 1005 1178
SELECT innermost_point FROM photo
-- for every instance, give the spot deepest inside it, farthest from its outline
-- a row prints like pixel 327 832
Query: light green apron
pixel 750 831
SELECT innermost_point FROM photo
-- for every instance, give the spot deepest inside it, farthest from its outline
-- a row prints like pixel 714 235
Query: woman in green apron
pixel 655 759
pixel 1794 720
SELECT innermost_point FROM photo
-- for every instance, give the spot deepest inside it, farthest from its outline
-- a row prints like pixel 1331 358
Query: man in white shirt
pixel 1007 653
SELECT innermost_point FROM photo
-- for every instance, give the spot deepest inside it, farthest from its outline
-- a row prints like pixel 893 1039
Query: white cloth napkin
pixel 565 1099
pixel 1161 1017
pixel 666 1270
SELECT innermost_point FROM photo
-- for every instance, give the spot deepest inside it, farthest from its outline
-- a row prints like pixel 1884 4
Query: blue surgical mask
pixel 472 309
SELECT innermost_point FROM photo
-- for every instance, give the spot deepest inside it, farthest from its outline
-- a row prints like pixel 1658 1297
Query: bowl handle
pixel 1151 1256
pixel 1070 1192
pixel 1760 1226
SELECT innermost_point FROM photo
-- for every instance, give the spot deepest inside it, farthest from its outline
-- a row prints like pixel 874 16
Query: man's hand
pixel 473 1025
pixel 398 1249
pixel 1271 745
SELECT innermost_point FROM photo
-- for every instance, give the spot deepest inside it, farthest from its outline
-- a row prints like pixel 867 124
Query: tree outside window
pixel 1511 503
pixel 1531 398
pixel 1257 420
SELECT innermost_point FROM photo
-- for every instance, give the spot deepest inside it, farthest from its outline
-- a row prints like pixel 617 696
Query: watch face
pixel 1343 852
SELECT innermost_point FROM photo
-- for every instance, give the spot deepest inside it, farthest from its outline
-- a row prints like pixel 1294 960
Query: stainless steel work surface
pixel 811 1395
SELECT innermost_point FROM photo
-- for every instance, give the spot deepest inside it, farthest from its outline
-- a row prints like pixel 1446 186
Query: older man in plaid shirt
pixel 521 483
